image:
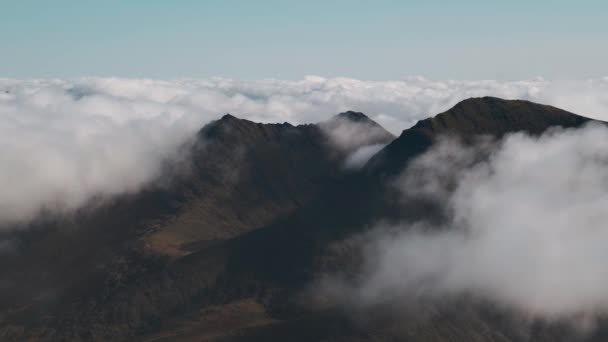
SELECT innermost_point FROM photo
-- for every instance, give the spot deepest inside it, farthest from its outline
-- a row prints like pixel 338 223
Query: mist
pixel 525 227
pixel 65 142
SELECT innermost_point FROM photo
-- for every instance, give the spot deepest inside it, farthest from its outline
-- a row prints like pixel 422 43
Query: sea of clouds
pixel 63 142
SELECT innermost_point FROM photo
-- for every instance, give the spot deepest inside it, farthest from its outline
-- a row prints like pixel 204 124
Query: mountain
pixel 225 246
pixel 472 117
pixel 236 177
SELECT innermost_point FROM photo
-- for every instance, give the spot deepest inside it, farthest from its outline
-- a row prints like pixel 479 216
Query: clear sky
pixel 379 39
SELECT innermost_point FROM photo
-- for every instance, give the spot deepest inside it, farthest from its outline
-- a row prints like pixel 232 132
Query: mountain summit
pixel 353 116
pixel 494 116
pixel 472 117
pixel 351 130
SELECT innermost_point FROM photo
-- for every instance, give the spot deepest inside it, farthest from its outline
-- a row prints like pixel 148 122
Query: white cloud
pixel 360 156
pixel 526 228
pixel 64 141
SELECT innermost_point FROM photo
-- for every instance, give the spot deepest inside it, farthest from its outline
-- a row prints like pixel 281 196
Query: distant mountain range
pixel 225 246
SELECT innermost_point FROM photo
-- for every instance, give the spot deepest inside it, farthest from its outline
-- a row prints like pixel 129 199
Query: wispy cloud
pixel 64 141
pixel 524 226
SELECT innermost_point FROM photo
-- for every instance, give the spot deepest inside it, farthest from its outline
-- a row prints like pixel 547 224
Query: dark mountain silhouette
pixel 472 117
pixel 227 245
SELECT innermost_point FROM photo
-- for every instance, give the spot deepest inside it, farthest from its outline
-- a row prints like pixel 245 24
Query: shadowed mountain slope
pixel 244 175
pixel 227 249
pixel 67 275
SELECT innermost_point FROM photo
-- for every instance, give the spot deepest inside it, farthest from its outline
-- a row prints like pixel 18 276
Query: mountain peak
pixel 496 116
pixel 229 117
pixel 472 117
pixel 231 120
pixel 353 116
pixel 226 125
pixel 351 130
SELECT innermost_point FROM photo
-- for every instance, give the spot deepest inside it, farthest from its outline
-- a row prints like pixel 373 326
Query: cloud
pixel 62 142
pixel 359 157
pixel 355 136
pixel 348 134
pixel 525 227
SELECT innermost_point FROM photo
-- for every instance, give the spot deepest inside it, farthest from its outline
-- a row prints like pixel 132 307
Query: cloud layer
pixel 526 227
pixel 64 141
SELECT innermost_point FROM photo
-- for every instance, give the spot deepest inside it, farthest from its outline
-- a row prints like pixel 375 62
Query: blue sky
pixel 379 39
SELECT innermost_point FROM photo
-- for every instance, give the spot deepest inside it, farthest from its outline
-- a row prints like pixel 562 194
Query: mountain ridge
pixel 489 116
pixel 226 253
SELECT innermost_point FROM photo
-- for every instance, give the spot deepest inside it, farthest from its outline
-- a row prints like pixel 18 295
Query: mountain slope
pixel 242 176
pixel 228 248
pixel 67 278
